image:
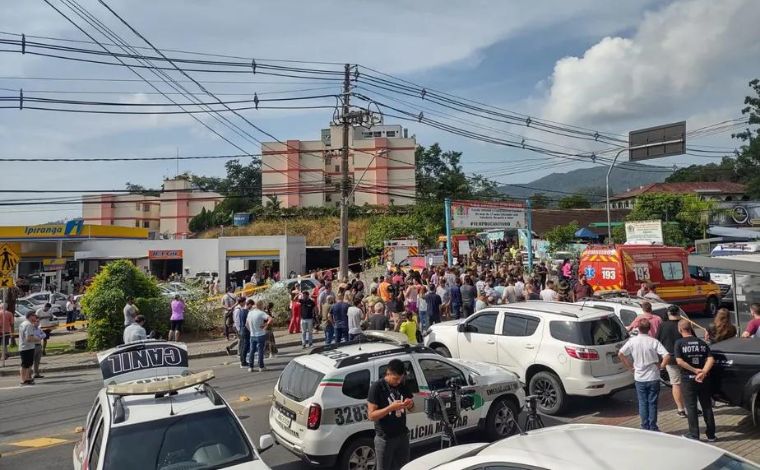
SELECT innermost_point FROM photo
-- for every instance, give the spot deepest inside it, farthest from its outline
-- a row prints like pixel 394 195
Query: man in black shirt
pixel 695 359
pixel 378 321
pixel 387 405
pixel 433 302
pixel 667 335
pixel 308 306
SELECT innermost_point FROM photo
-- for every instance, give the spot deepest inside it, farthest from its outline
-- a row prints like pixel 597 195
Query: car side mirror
pixel 462 327
pixel 471 380
pixel 266 442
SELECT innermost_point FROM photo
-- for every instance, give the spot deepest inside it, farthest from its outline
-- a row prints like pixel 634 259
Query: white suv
pixel 319 410
pixel 557 349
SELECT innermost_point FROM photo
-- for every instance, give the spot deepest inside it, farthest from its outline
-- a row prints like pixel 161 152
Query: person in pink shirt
pixel 753 327
pixel 654 320
pixel 177 318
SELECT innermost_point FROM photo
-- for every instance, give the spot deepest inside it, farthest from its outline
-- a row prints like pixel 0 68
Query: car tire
pixel 443 351
pixel 359 454
pixel 713 304
pixel 551 394
pixel 501 420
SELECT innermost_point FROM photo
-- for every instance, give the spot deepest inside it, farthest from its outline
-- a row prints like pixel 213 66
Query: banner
pixel 644 232
pixel 143 360
pixel 482 214
pixel 164 254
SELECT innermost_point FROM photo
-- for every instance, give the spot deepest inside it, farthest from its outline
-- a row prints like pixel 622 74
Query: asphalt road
pixel 58 404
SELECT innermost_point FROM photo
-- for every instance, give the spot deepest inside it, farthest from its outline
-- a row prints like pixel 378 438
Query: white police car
pixel 319 409
pixel 154 414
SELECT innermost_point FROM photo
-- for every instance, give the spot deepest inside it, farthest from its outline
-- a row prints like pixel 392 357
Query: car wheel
pixel 502 418
pixel 359 454
pixel 551 395
pixel 443 351
pixel 712 306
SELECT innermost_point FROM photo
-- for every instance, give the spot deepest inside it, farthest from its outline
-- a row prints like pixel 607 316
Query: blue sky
pixel 611 66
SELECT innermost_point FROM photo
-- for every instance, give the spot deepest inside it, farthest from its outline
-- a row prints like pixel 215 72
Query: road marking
pixel 39 442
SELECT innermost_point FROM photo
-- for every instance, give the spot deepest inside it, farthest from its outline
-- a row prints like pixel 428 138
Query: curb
pixel 12 371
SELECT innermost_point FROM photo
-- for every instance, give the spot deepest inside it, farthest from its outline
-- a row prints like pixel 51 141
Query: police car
pixel 319 409
pixel 154 414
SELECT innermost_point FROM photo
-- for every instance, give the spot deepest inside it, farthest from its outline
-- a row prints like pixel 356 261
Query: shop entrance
pixel 241 264
pixel 165 263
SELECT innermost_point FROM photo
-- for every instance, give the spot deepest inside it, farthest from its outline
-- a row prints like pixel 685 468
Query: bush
pixel 103 303
pixel 202 315
pixel 280 297
pixel 157 311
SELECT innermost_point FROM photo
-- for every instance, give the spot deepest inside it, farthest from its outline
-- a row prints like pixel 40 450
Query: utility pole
pixel 344 184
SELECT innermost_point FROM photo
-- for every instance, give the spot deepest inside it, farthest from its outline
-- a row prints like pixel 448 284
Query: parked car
pixel 557 349
pixel 172 289
pixel 584 447
pixel 41 298
pixel 304 284
pixel 628 308
pixel 736 378
pixel 48 321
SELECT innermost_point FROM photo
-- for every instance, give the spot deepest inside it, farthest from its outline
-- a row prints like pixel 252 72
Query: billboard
pixel 644 232
pixel 483 214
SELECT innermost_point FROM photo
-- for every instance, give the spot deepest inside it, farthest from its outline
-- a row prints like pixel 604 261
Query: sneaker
pixel 681 413
pixel 250 369
pixel 271 355
pixel 303 346
pixel 39 376
pixel 712 439
pixel 243 366
pixel 699 412
pixel 689 436
pixel 262 369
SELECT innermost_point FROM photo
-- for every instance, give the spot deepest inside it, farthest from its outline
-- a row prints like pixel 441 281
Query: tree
pixel 201 222
pixel 684 216
pixel 576 201
pixel 439 175
pixel 139 189
pixel 539 201
pixel 104 301
pixel 724 171
pixel 561 236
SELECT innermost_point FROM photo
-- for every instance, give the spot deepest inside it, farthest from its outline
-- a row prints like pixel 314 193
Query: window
pixel 672 270
pixel 518 325
pixel 93 421
pixel 366 135
pixel 137 223
pixel 337 167
pixel 484 323
pixel 210 439
pixel 438 373
pixel 356 385
pixel 390 134
pixel 146 207
pixel 94 458
pixel 298 382
pixel 112 221
pixel 146 224
pixel 378 134
pixel 597 332
pixel 627 316
pixel 137 206
pixel 410 379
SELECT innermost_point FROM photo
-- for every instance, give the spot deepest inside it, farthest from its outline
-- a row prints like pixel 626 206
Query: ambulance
pixel 626 267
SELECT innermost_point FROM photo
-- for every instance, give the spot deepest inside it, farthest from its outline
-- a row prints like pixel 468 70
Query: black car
pixel 736 376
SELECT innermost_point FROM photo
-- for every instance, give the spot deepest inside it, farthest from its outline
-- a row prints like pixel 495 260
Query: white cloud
pixel 686 57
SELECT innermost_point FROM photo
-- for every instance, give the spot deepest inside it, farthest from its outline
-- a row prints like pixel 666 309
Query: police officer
pixel 695 359
pixel 388 402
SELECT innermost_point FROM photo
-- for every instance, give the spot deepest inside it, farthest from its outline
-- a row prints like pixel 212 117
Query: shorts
pixel 27 358
pixel 176 325
pixel 674 372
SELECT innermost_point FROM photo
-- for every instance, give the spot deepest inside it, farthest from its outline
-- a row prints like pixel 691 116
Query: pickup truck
pixel 736 377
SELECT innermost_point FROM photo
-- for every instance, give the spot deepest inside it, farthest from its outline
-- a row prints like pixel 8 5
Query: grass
pixel 319 231
pixel 52 349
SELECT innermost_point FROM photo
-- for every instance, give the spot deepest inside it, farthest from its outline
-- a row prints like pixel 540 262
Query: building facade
pixel 708 190
pixel 308 174
pixel 167 215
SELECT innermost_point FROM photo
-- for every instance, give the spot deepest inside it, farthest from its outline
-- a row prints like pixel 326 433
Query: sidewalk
pixel 197 349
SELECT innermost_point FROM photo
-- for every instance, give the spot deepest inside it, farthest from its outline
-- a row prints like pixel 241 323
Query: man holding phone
pixel 389 401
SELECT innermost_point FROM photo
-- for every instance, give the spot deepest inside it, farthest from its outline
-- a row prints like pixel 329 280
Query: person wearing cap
pixel 26 342
pixel 667 335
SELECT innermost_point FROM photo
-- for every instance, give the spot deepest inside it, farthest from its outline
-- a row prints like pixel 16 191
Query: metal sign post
pixel 447 213
pixel 653 142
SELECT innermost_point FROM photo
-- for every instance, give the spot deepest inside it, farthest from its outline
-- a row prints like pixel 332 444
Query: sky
pixel 608 67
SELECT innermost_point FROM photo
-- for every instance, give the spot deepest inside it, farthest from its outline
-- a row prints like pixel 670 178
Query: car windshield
pixel 194 441
pixel 728 462
pixel 298 382
pixel 596 332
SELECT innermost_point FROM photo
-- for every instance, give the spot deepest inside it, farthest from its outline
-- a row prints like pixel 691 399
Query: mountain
pixel 630 176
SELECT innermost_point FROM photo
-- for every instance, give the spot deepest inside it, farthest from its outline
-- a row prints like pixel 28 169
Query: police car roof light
pixel 160 386
pixel 365 357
